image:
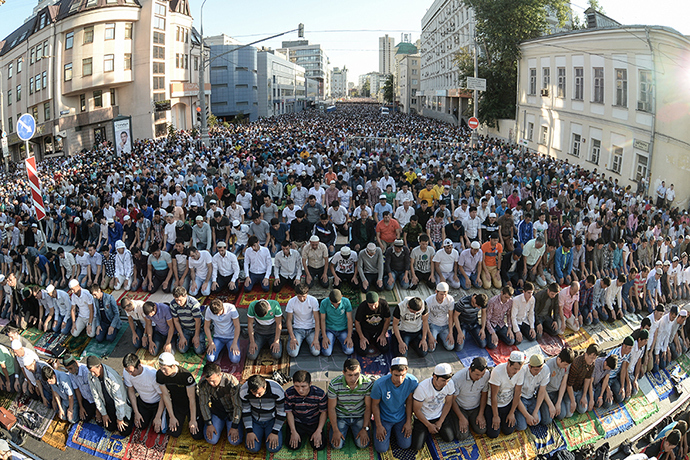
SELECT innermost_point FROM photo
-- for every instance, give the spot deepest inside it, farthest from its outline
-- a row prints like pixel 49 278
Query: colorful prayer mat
pixel 550 345
pixel 471 350
pixel 147 358
pixel 57 434
pixel 187 448
pixel 640 408
pixel 104 348
pixel 580 430
pixel 284 296
pixel 661 382
pixel 96 440
pixel 190 361
pixel 77 345
pixel 305 453
pixel 32 334
pixel 227 366
pixel 224 296
pixel 351 452
pixel 136 295
pixel 634 320
pixel 376 365
pixel 614 420
pixel 684 362
pixel 266 365
pixel 354 294
pixel 546 439
pixel 246 298
pixel 146 445
pixel 501 353
pixel 512 447
pixel 49 341
pixel 455 450
pixel 32 416
pixel 579 340
pixel 676 370
pixel 530 348
pixel 618 330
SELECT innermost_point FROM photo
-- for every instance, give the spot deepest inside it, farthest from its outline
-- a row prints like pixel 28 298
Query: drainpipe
pixel 517 104
pixel 654 108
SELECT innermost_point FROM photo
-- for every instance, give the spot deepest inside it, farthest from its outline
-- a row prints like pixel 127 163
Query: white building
pixel 339 82
pixel 314 61
pixel 78 64
pixel 408 82
pixel 612 99
pixel 386 55
pixel 282 85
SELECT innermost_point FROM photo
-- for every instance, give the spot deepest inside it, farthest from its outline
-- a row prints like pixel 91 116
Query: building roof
pixel 405 48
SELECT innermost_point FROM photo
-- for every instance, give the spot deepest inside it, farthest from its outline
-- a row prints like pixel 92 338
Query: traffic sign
pixel 476 83
pixel 473 123
pixel 26 127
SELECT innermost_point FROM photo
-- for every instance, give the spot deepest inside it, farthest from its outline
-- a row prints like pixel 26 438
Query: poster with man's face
pixel 123 137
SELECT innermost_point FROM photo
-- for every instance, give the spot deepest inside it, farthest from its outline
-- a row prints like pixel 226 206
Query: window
pixel 82 102
pixel 160 9
pixel 186 61
pixel 196 63
pixel 98 98
pixel 38 82
pixel 177 60
pixel 159 52
pixel 577 140
pixel 598 85
pixel 39 52
pixel 579 84
pixel 622 87
pixel 20 61
pixel 177 35
pixel 108 63
pixel 596 151
pixel 68 72
pixel 544 135
pixel 19 93
pixel 641 170
pixel 110 31
pixel 159 38
pixel 112 97
pixel 45 49
pixel 644 101
pixel 69 40
pixel 530 131
pixel 159 23
pixel 546 78
pixel 414 81
pixel 88 35
pixel 158 83
pixel 87 67
pixel 532 82
pixel 46 111
pixel 561 82
pixel 9 71
pixel 128 61
pixel 44 79
pixel 616 159
pixel 128 30
pixel 31 85
pixel 32 56
pixel 158 67
pixel 10 125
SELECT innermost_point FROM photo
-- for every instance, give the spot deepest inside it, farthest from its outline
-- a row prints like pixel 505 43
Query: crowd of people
pixel 544 245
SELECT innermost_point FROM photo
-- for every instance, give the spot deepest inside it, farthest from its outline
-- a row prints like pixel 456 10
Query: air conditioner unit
pixel 545 92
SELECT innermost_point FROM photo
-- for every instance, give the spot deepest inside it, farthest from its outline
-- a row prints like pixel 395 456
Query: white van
pixel 384 111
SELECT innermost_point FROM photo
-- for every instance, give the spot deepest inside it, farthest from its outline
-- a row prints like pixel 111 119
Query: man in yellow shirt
pixel 428 194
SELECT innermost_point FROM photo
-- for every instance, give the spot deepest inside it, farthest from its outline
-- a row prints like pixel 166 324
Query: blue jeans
pixel 220 343
pixel 302 335
pixel 63 330
pixel 262 430
pixel 82 280
pixel 345 424
pixel 473 280
pixel 471 330
pixel 219 424
pixel 139 332
pixel 598 390
pixel 397 276
pixel 200 350
pixel 103 335
pixel 565 408
pixel 502 333
pixel 442 333
pixel 397 428
pixel 261 340
pixel 256 279
pixel 530 405
pixel 341 336
pixel 159 340
pixel 655 367
pixel 412 340
pixel 199 282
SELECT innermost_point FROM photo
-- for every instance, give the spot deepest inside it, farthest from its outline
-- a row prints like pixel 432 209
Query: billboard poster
pixel 123 135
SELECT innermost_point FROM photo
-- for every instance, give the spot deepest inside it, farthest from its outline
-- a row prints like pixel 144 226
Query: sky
pixel 349 31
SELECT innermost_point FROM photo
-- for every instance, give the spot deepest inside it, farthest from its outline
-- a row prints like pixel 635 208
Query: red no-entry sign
pixel 473 123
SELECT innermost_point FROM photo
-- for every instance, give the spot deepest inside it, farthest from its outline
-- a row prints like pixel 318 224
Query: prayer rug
pixel 684 362
pixel 246 298
pixel 227 366
pixel 579 340
pixel 647 389
pixel 305 453
pixel 104 348
pixel 634 320
pixel 187 448
pixel 614 420
pixel 49 341
pixel 376 365
pixel 190 360
pixel 57 433
pixel 640 408
pixel 77 345
pixel 550 345
pixel 284 296
pixel 674 369
pixel 146 445
pixel 96 440
pixel 32 334
pixel 530 348
pixel 471 350
pixel 512 447
pixel 546 439
pixel 354 294
pixel 580 430
pixel 147 358
pixel 501 353
pixel 441 450
pixel 224 296
pixel 618 330
pixel 351 452
pixel 7 399
pixel 266 365
pixel 391 297
pixel 136 295
pixel 661 382
pixel 32 416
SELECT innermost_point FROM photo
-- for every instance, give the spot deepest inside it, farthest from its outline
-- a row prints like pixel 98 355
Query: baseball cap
pixel 398 243
pixel 535 360
pixel 314 239
pixel 221 244
pixel 447 242
pixel 167 359
pixel 442 287
pixel 345 250
pixel 126 218
pixel 443 370
pixel 382 197
pixel 517 357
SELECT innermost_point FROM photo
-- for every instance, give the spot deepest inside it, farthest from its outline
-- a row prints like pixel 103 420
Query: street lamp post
pixel 202 83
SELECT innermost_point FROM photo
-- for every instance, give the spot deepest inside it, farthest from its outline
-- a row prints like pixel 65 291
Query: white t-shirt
pixel 289 214
pixel 201 265
pixel 165 200
pixel 223 325
pixel 531 383
pixel 145 384
pixel 303 312
pixel 506 385
pixel 446 261
pixel 138 313
pixel 438 312
pixel 432 400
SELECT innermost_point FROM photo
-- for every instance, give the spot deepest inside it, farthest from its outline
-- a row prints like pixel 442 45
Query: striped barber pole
pixel 35 188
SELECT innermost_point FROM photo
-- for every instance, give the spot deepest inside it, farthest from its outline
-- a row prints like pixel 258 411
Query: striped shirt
pixel 186 314
pixel 350 402
pixel 306 409
pixel 268 407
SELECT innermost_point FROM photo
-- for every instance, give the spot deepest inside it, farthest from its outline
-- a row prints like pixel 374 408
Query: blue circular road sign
pixel 26 127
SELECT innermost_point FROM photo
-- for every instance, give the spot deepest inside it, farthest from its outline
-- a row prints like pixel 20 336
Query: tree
pixel 388 89
pixel 212 121
pixel 366 89
pixel 172 134
pixel 501 26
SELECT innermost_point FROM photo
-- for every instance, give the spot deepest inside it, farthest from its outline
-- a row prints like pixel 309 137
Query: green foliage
pixel 212 121
pixel 172 133
pixel 595 4
pixel 501 26
pixel 366 89
pixel 388 89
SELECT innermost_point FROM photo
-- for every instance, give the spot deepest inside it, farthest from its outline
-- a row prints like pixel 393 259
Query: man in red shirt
pixel 387 231
pixel 491 264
